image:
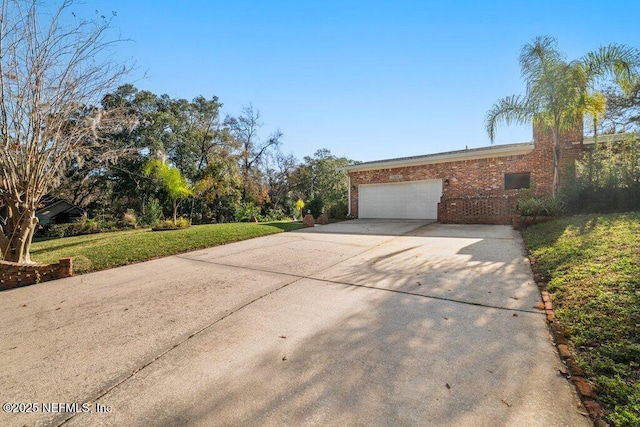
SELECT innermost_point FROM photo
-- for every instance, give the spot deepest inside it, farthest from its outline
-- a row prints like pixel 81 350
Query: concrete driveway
pixel 358 323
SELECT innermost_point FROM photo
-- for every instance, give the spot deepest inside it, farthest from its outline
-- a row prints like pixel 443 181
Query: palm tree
pixel 175 184
pixel 558 92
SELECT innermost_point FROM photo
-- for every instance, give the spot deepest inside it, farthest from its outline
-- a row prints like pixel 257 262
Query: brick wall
pixel 569 152
pixel 472 180
pixel 13 275
pixel 476 210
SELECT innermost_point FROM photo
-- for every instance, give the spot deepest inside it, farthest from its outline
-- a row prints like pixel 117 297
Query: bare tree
pixel 245 129
pixel 52 79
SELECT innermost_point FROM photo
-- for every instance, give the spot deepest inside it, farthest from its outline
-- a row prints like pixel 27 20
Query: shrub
pixel 88 226
pixel 607 179
pixel 541 206
pixel 58 230
pixel 84 226
pixel 168 224
pixel 275 215
pixel 339 210
pixel 129 219
pixel 247 212
pixel 152 212
pixel 316 206
pixel 104 221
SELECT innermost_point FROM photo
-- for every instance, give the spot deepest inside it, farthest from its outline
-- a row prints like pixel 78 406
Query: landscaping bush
pixel 274 215
pixel 168 224
pixel 152 212
pixel 129 219
pixel 84 226
pixel 338 211
pixel 607 179
pixel 316 206
pixel 58 231
pixel 541 206
pixel 247 212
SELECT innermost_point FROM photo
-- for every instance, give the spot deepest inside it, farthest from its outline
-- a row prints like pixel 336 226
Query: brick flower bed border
pixel 14 275
pixel 575 373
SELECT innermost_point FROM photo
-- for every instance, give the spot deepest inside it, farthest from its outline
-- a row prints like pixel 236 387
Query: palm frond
pixel 537 57
pixel 510 109
pixel 620 61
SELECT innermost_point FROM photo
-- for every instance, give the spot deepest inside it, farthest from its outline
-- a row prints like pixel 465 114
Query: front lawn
pixel 95 252
pixel 592 263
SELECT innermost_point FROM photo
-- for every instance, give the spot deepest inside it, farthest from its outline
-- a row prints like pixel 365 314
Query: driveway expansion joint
pixel 198 332
pixel 176 345
pixel 337 282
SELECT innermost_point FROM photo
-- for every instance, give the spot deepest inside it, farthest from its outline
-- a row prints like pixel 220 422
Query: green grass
pixel 95 252
pixel 592 263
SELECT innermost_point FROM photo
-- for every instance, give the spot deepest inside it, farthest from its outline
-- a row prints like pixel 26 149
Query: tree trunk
pixel 556 160
pixel 16 234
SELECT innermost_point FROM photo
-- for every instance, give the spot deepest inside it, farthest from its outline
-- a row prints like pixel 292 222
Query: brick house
pixel 476 185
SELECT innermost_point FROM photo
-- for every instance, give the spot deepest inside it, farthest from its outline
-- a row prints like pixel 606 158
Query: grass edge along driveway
pixel 592 263
pixel 94 252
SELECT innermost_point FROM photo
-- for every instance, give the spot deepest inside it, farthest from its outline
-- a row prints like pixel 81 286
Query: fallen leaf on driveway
pixel 448 386
pixel 506 402
pixel 539 306
pixel 283 336
pixel 516 298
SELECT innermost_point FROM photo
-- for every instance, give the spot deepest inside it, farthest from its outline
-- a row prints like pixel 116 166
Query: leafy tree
pixel 319 175
pixel 557 91
pixel 51 85
pixel 114 187
pixel 189 131
pixel 623 109
pixel 173 182
pixel 218 189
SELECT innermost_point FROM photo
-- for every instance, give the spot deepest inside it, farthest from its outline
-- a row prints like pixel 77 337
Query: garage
pixel 401 200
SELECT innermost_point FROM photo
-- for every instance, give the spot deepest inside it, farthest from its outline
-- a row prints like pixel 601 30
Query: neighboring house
pixel 476 185
pixel 53 210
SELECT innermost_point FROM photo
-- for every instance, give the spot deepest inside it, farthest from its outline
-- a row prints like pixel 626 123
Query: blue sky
pixel 369 79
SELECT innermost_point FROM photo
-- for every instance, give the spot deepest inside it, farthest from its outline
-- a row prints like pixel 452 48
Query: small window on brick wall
pixel 516 181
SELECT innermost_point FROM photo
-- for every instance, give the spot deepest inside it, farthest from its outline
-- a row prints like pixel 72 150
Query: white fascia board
pixel 455 156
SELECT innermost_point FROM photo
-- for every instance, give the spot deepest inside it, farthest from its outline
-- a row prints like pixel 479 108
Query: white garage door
pixel 402 200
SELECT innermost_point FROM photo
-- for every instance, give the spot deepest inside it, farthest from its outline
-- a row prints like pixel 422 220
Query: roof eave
pixel 444 158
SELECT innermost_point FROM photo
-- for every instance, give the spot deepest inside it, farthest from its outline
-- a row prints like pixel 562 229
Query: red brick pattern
pixel 13 275
pixel 476 210
pixel 575 373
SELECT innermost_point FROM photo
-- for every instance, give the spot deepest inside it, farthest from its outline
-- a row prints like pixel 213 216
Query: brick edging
pixel 577 376
pixel 15 275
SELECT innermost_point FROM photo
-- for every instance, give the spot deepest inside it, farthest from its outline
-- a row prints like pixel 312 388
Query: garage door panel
pixel 403 200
